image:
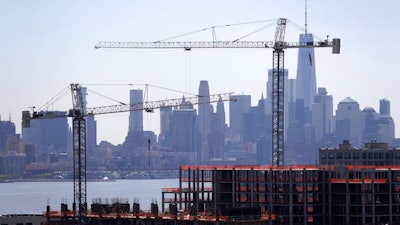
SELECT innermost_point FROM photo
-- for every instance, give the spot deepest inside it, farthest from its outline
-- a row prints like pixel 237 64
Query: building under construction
pixel 287 195
pixel 336 192
pixel 309 194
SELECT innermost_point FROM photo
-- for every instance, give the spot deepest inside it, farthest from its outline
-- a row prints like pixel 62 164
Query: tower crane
pixel 78 114
pixel 278 46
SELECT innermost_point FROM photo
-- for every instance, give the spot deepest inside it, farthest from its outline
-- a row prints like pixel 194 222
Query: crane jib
pixel 187 45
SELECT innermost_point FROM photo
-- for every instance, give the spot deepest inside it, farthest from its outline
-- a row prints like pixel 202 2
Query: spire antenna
pixel 305 16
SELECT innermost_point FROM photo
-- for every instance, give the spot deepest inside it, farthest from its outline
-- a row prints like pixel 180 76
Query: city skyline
pixel 49 45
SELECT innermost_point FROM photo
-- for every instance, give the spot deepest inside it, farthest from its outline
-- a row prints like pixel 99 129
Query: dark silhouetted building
pixel 48 135
pixel 322 115
pixel 7 129
pixel 350 123
pixel 136 116
pixel 236 111
pixel 216 138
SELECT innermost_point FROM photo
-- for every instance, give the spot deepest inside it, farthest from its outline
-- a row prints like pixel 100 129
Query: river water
pixel 32 197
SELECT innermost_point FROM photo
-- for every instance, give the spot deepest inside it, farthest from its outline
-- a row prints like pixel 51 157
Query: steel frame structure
pixel 79 158
pixel 278 97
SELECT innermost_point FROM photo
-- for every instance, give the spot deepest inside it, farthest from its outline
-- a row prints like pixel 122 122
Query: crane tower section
pixel 278 94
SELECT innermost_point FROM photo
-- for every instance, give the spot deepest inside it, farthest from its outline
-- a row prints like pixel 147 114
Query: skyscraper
pixel 205 110
pixel 91 126
pixel 379 126
pixel 306 80
pixel 322 114
pixel 236 111
pixel 217 134
pixel 165 117
pixel 300 133
pixel 384 107
pixel 386 123
pixel 184 133
pixel 254 123
pixel 221 115
pixel 7 129
pixel 136 117
pixel 350 123
pixel 135 140
pixel 48 134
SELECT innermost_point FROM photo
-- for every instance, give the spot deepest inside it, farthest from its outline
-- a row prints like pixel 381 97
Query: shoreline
pixel 71 180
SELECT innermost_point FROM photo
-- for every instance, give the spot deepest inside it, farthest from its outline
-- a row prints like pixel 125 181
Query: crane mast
pixel 278 94
pixel 79 152
pixel 278 46
pixel 78 114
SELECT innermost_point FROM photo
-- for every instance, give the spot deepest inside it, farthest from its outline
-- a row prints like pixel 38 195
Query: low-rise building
pixel 22 219
pixel 373 153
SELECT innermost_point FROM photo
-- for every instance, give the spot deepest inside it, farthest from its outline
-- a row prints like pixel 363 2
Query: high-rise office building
pixel 300 134
pixel 306 84
pixel 91 133
pixel 184 133
pixel 216 138
pixel 13 164
pixel 386 123
pixel 379 126
pixel 236 111
pixel 290 87
pixel 254 123
pixel 371 131
pixel 48 134
pixel 136 117
pixel 387 129
pixel 384 107
pixel 135 141
pixel 322 115
pixel 221 116
pixel 350 122
pixel 205 110
pixel 91 126
pixel 165 115
pixel 7 129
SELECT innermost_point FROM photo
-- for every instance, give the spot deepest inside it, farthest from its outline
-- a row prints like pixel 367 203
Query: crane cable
pixel 54 99
pixel 302 29
pixel 213 29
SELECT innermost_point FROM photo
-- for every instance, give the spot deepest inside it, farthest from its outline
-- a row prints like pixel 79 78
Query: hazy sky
pixel 46 45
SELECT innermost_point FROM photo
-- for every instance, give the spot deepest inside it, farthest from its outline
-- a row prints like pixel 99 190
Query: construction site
pixel 213 195
pixel 330 195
